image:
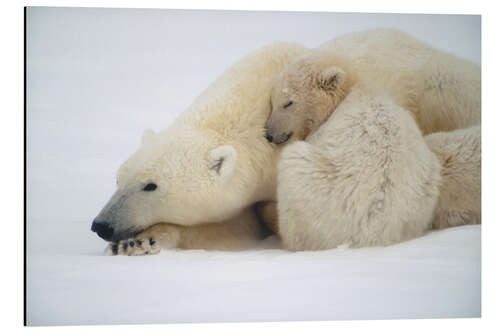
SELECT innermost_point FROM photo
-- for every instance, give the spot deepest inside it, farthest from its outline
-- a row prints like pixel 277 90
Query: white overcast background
pixel 96 78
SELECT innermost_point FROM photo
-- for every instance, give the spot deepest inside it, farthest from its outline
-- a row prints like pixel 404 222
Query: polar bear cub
pixel 364 174
pixel 305 94
pixel 365 178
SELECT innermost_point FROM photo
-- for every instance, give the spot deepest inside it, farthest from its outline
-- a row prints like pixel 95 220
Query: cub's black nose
pixel 103 229
pixel 269 137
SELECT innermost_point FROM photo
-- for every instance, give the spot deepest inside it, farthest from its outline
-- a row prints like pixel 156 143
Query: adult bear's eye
pixel 150 187
pixel 287 104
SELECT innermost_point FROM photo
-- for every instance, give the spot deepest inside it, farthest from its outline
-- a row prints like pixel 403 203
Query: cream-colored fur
pixel 441 91
pixel 214 163
pixel 305 94
pixel 380 69
pixel 365 178
pixel 459 153
pixel 209 167
pixel 235 234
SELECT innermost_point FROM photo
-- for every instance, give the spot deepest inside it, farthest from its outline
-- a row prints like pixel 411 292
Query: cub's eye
pixel 287 104
pixel 150 187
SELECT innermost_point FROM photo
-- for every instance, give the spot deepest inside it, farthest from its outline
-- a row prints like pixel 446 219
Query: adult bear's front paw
pixel 134 247
pixel 150 241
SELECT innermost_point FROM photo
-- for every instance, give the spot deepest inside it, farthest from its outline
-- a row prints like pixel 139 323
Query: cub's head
pixel 303 97
pixel 177 176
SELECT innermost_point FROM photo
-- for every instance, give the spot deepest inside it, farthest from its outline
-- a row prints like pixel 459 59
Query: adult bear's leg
pixel 366 177
pixel 460 192
pixel 243 231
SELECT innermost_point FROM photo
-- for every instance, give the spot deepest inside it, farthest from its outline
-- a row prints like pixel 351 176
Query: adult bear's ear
pixel 148 136
pixel 331 78
pixel 222 161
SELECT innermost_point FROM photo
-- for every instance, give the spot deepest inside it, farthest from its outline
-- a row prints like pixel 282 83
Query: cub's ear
pixel 222 161
pixel 331 78
pixel 148 136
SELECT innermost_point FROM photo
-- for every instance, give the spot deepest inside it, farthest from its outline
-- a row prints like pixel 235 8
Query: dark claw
pixel 147 252
pixel 131 243
pixel 114 248
pixel 125 245
pixel 152 241
pixel 139 242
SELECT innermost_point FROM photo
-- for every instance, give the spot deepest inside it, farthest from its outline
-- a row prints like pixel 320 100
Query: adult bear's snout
pixel 103 229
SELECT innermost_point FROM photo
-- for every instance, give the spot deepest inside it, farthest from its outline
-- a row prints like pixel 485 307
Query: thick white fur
pixel 441 91
pixel 202 208
pixel 459 153
pixel 330 188
pixel 366 177
pixel 210 166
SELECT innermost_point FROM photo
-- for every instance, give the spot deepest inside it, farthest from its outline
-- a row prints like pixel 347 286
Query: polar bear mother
pixel 194 184
pixel 202 174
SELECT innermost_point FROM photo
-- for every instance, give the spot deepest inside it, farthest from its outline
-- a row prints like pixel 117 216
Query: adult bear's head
pixel 213 162
pixel 183 177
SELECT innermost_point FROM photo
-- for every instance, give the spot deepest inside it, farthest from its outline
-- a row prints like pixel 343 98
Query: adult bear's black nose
pixel 269 137
pixel 103 229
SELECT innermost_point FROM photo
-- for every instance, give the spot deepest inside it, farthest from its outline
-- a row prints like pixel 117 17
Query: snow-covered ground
pixel 437 276
pixel 98 77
